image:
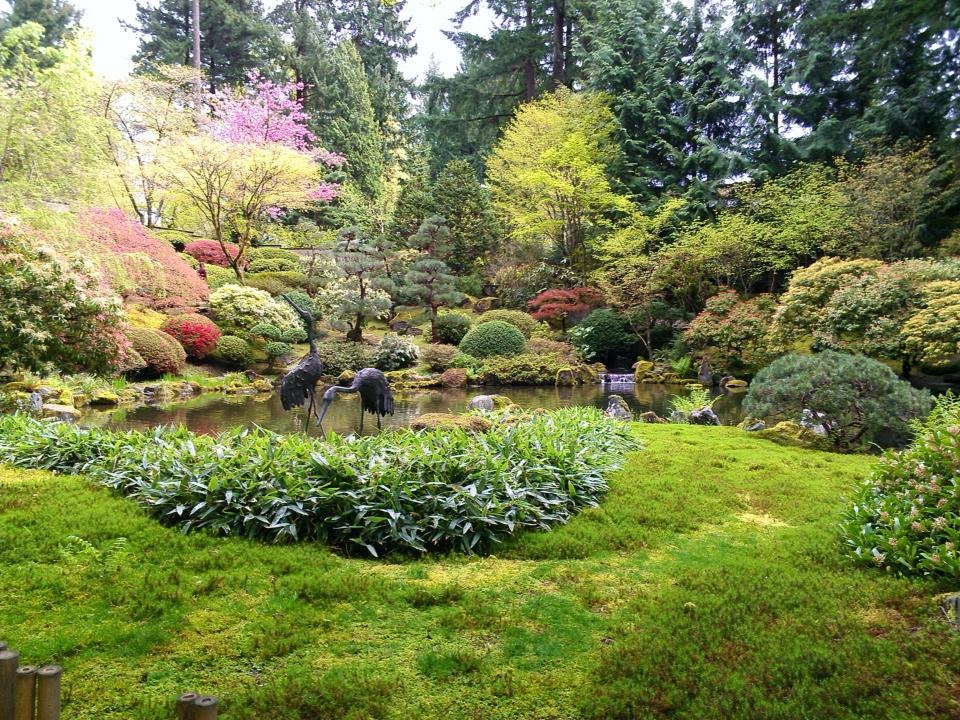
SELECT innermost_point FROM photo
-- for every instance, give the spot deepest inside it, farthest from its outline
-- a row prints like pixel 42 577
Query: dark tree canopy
pixel 57 17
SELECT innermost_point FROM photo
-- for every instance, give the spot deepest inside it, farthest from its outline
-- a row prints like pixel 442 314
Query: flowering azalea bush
pixel 560 306
pixel 906 517
pixel 138 262
pixel 210 252
pixel 197 334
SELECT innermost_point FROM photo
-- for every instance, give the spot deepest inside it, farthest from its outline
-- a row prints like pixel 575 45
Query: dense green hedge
pixel 493 338
pixel 425 491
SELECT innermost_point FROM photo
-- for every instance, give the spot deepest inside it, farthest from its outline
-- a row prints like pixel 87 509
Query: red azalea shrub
pixel 138 255
pixel 210 252
pixel 197 334
pixel 562 306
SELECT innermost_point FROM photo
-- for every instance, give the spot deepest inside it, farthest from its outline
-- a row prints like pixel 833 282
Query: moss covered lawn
pixel 709 584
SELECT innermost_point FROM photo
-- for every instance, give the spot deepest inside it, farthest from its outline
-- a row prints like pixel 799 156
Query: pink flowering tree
pixel 255 161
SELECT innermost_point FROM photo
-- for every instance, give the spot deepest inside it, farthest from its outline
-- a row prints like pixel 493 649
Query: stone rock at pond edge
pixel 434 421
pixel 794 435
pixel 489 403
pixel 105 397
pixel 703 416
pixel 651 417
pixel 617 408
pixel 752 424
pixel 815 422
pixel 640 369
pixel 487 303
pixel 60 412
pixel 566 377
pixel 735 384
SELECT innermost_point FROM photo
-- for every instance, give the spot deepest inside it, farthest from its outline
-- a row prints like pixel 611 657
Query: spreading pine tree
pixel 429 283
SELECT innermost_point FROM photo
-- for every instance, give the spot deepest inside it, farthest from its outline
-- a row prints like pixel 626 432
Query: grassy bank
pixel 709 583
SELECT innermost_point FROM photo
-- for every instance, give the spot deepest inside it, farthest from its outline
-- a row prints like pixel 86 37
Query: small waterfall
pixel 616 379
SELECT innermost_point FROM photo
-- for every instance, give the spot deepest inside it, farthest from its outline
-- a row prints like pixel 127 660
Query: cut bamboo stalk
pixel 25 694
pixel 8 681
pixel 205 708
pixel 48 692
pixel 185 706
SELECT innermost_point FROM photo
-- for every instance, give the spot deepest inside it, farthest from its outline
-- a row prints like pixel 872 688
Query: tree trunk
pixel 356 330
pixel 529 71
pixel 557 75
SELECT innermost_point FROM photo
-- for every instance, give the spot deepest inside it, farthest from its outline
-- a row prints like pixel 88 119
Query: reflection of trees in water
pixel 211 413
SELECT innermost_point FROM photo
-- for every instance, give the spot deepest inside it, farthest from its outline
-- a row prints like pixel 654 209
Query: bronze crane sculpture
pixel 300 383
pixel 376 397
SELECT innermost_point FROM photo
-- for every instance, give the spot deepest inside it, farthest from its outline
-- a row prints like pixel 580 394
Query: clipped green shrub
pixel 438 357
pixel 470 285
pixel 276 350
pixel 264 330
pixel 603 335
pixel 217 276
pixel 271 265
pixel 271 253
pixel 338 356
pixel 159 351
pixel 906 517
pixel 466 362
pixel 443 489
pixel 525 369
pixel 236 309
pixel 277 283
pixel 519 319
pixel 395 353
pixel 493 338
pixel 234 350
pixel 451 327
pixel 857 400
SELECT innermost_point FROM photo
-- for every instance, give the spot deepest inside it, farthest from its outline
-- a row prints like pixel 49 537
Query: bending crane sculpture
pixel 376 397
pixel 301 382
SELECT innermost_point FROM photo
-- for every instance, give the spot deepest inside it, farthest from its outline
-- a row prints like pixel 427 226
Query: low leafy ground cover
pixel 423 491
pixel 710 583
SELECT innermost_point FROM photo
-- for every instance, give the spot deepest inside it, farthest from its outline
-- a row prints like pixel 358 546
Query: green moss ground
pixel 709 585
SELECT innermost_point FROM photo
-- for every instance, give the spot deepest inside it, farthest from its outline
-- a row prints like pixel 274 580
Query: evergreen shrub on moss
pixel 493 338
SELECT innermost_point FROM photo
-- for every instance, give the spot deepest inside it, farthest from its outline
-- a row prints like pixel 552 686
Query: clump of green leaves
pixel 395 353
pixel 906 517
pixel 424 491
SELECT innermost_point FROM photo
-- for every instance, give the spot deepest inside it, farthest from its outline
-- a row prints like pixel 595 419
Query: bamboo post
pixel 8 680
pixel 185 705
pixel 205 708
pixel 25 694
pixel 48 692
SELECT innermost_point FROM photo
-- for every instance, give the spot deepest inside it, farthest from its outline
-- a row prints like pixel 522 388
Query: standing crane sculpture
pixel 376 397
pixel 300 383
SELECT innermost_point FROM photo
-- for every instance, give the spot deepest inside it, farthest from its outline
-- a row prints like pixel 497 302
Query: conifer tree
pixel 458 197
pixel 57 17
pixel 429 282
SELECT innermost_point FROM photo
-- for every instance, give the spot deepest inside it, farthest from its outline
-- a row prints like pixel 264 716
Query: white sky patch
pixel 114 45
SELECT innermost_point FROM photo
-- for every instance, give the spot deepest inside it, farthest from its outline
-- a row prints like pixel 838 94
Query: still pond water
pixel 213 412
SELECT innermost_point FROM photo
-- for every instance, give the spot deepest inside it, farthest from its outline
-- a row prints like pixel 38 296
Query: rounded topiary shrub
pixel 906 516
pixel 273 264
pixel 234 350
pixel 161 353
pixel 451 327
pixel 603 335
pixel 236 309
pixel 519 319
pixel 395 353
pixel 197 334
pixel 493 338
pixel 338 356
pixel 851 399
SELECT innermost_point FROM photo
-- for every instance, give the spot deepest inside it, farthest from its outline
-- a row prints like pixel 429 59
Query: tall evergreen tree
pixel 458 197
pixel 343 118
pixel 414 202
pixel 235 39
pixel 57 17
pixel 429 283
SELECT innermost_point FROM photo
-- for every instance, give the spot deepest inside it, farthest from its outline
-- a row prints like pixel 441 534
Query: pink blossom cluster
pixel 265 113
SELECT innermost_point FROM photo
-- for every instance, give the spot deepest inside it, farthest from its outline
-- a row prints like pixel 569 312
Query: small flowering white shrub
pixel 906 517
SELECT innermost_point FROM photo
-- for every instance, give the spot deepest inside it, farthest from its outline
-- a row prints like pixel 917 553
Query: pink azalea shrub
pixel 127 243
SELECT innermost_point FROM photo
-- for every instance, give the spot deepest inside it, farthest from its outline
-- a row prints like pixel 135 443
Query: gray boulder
pixel 617 408
pixel 481 402
pixel 703 416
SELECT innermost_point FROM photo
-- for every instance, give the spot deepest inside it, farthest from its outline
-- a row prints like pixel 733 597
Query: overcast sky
pixel 113 46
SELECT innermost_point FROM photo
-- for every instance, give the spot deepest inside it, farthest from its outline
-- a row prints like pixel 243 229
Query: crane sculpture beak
pixel 324 406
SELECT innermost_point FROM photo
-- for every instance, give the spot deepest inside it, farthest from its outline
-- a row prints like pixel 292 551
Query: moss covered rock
pixel 566 377
pixel 794 435
pixel 435 421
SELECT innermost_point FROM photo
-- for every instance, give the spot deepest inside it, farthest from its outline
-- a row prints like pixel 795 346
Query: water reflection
pixel 213 412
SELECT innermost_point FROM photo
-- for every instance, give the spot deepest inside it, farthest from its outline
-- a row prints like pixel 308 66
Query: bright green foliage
pixel 272 264
pixel 906 517
pixel 237 309
pixel 931 336
pixel 54 314
pixel 859 400
pixel 234 350
pixel 339 356
pixel 519 319
pixel 548 173
pixel 234 37
pixel 493 338
pixel 58 18
pixel 733 332
pixel 276 283
pixel 458 197
pixel 429 491
pixel 603 335
pixel 51 140
pixel 452 326
pixel 395 353
pixel 346 123
pixel 525 369
pixel 161 352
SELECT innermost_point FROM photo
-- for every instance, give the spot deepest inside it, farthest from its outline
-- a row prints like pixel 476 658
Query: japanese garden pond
pixel 213 412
